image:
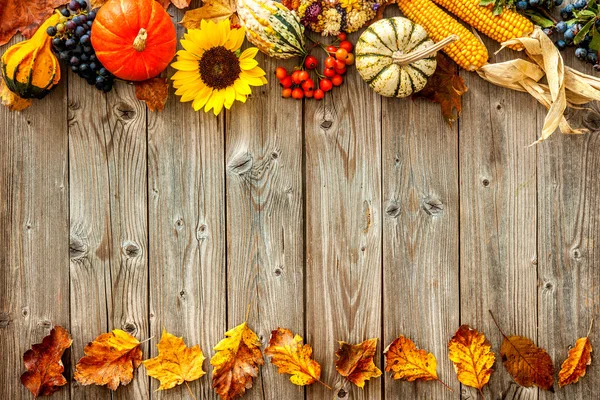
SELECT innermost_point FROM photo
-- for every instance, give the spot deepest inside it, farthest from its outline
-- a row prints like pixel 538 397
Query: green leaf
pixel 595 43
pixel 498 7
pixel 484 3
pixel 591 5
pixel 586 28
pixel 539 19
pixel 586 14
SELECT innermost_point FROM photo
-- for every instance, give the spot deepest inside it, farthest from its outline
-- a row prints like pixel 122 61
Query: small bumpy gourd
pixel 396 56
pixel 29 68
pixel 271 27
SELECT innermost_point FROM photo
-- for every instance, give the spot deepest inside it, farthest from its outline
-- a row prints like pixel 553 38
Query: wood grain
pixel 108 204
pixel 187 230
pixel 343 227
pixel 498 269
pixel 34 213
pixel 264 221
pixel 420 250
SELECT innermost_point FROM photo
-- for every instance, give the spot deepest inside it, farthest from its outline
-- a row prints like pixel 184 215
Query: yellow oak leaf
pixel 574 367
pixel 236 362
pixel 407 362
pixel 355 361
pixel 109 360
pixel 471 354
pixel 176 363
pixel 12 100
pixel 292 357
pixel 214 10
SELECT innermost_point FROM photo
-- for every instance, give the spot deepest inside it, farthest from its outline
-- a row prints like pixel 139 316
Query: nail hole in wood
pixel 274 155
pixel 182 294
pixel 278 271
pixel 485 182
pixel 576 253
pixel 341 394
pixel 25 311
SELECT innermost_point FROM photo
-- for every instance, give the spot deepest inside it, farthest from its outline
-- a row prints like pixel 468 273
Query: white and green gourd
pixel 395 56
pixel 271 27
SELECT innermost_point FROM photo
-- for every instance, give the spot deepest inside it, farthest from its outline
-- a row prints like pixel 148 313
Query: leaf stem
pixel 497 326
pixel 147 340
pixel 324 384
pixel 190 390
pixel 590 329
pixel 443 383
pixel 481 393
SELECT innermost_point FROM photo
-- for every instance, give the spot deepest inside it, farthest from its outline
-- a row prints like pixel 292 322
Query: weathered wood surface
pixel 346 219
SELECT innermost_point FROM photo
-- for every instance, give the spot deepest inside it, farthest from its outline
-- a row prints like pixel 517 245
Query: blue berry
pixel 560 44
pixel 561 27
pixel 597 67
pixel 581 53
pixel 568 8
pixel 569 34
pixel 522 5
pixel 580 4
pixel 592 57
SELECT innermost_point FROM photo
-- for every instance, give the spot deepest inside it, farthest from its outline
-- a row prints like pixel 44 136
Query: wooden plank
pixel 187 230
pixel 420 247
pixel 109 281
pixel 569 244
pixel 343 227
pixel 264 220
pixel 498 269
pixel 34 272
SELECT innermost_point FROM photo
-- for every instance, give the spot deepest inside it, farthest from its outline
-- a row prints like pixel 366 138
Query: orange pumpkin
pixel 134 39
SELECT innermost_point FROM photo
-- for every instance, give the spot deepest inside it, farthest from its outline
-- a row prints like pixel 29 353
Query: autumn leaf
pixel 109 360
pixel 214 10
pixel 43 362
pixel 154 92
pixel 164 3
pixel 12 100
pixel 236 362
pixel 292 357
pixel 24 16
pixel 528 364
pixel 407 362
pixel 445 87
pixel 473 359
pixel 183 3
pixel 574 367
pixel 176 363
pixel 355 361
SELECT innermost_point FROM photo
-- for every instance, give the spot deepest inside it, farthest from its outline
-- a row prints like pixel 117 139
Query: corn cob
pixel 503 27
pixel 468 51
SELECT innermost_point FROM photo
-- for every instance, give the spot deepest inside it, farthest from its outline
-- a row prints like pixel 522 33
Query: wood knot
pixel 341 393
pixel 326 124
pixel 576 254
pixel 393 209
pixel 182 294
pixel 130 328
pixel 278 271
pixel 433 206
pixel 131 249
pixel 485 182
pixel 5 319
pixel 240 165
pixel 25 311
pixel 78 249
pixel 274 155
pixel 124 111
pixel 201 232
pixel 179 223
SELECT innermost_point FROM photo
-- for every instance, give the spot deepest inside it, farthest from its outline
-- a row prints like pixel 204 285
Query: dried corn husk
pixel 565 86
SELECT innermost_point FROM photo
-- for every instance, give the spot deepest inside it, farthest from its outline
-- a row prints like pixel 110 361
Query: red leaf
pixel 24 16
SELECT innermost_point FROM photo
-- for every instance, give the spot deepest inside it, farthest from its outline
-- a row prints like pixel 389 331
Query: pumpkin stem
pixel 139 44
pixel 405 59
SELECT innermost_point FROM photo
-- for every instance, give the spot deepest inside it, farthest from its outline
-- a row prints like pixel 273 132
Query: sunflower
pixel 212 71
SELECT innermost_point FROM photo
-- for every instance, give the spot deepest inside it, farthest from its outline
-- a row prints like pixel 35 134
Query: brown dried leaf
pixel 154 92
pixel 182 3
pixel 292 357
pixel 109 360
pixel 24 16
pixel 236 362
pixel 471 354
pixel 97 3
pixel 574 367
pixel 43 362
pixel 445 87
pixel 407 362
pixel 355 362
pixel 528 364
pixel 215 10
pixel 12 100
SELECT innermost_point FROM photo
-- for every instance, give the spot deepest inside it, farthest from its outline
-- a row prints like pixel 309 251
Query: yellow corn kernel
pixel 468 51
pixel 503 27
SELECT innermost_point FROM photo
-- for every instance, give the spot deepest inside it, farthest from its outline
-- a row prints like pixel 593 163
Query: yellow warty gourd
pixel 29 68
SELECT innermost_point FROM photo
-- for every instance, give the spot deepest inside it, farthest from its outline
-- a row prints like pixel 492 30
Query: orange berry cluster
pixel 299 84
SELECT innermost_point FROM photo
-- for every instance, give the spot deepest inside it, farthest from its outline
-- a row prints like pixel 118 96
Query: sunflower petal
pixel 242 87
pixel 201 98
pixel 248 63
pixel 185 65
pixel 249 53
pixel 218 101
pixel 236 39
pixel 229 97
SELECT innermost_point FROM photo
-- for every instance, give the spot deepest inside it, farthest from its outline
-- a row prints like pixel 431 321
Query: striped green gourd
pixel 271 27
pixel 395 56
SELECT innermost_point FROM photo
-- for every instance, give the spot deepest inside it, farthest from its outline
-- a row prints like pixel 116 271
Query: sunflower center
pixel 219 67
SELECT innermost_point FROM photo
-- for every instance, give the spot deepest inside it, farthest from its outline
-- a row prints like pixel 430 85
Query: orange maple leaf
pixel 580 356
pixel 154 92
pixel 473 359
pixel 24 16
pixel 445 87
pixel 109 360
pixel 292 357
pixel 407 362
pixel 236 362
pixel 528 364
pixel 43 362
pixel 355 362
